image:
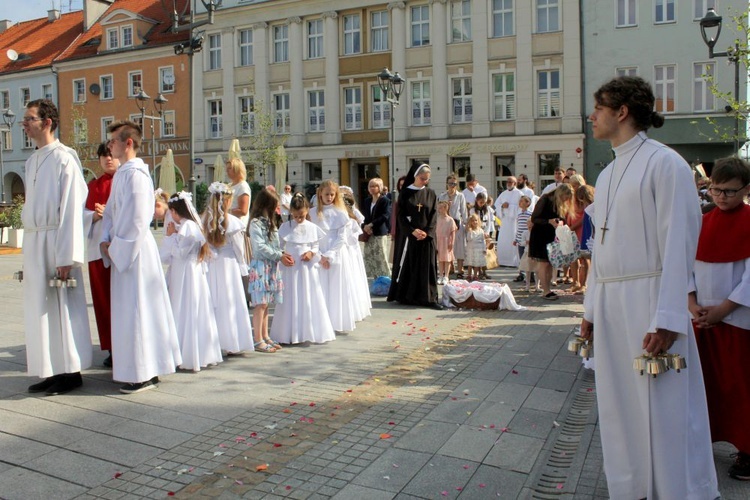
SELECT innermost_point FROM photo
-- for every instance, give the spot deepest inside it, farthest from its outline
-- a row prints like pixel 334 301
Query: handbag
pixel 565 249
pixel 364 237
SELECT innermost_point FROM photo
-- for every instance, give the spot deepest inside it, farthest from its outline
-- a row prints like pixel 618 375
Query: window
pixel 4 99
pixel 136 118
pixel 247 115
pixel 79 90
pixel 214 51
pixel 460 21
pixel 127 35
pixel 352 35
pixel 462 110
pixel 107 87
pixel 106 121
pixel 504 94
pixel 701 6
pixel 352 108
pixel 703 99
pixel 113 38
pixel 27 142
pixel 548 16
pixel 317 111
pixel 547 163
pixel 664 11
pixel 80 131
pixel 281 43
pixel 215 127
pixel 421 103
pixel 135 79
pixel 379 31
pixel 7 139
pixel 168 124
pixel 246 47
pixel 381 109
pixel 548 97
pixel 315 39
pixel 632 71
pixel 166 79
pixel 664 88
pixel 281 109
pixel 26 96
pixel 314 171
pixel 502 18
pixel 626 13
pixel 420 25
pixel 47 91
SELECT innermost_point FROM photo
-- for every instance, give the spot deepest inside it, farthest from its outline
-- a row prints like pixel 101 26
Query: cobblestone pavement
pixel 413 404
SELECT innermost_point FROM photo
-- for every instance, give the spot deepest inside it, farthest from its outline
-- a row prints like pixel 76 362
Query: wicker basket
pixel 472 303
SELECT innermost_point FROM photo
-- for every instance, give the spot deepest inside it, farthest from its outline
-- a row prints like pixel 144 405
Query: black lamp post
pixel 141 101
pixel 710 22
pixel 391 85
pixel 9 117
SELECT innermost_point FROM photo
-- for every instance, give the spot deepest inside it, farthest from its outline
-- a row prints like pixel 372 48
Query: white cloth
pixel 336 280
pixel 655 434
pixel 58 339
pixel 550 187
pixel 717 281
pixel 461 290
pixel 240 189
pixel 190 297
pixel 144 337
pixel 225 270
pixel 507 253
pixel 285 199
pixel 299 317
pixel 353 252
pixel 93 230
pixel 471 196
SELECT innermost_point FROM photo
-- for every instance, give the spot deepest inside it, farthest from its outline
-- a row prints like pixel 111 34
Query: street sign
pixel 198 161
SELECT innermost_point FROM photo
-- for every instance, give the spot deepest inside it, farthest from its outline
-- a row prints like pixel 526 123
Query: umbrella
pixel 234 149
pixel 219 171
pixel 280 171
pixel 166 173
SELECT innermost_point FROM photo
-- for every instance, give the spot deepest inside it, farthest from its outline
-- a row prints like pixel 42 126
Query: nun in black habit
pixel 414 279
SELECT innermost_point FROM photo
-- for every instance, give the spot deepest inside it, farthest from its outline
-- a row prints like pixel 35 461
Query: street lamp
pixel 9 117
pixel 710 22
pixel 391 85
pixel 141 101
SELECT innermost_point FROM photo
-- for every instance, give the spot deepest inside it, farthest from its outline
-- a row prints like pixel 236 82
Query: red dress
pixel 99 276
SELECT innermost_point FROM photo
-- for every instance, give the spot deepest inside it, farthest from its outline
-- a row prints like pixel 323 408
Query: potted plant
pixel 3 225
pixel 15 234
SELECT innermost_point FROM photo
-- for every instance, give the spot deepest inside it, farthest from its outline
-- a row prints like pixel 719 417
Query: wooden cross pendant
pixel 419 207
pixel 604 229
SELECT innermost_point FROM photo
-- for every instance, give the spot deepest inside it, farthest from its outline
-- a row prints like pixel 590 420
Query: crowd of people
pixel 653 280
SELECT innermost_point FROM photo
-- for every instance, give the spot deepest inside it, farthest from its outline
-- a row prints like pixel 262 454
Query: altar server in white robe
pixel 144 338
pixel 655 432
pixel 506 209
pixel 299 318
pixel 58 339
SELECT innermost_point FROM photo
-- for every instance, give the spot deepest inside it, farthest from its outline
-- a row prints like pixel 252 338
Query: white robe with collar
pixel 58 338
pixel 144 337
pixel 655 434
pixel 507 253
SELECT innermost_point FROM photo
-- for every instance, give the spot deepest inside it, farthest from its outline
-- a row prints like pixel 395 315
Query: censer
pixel 661 363
pixel 582 347
pixel 57 282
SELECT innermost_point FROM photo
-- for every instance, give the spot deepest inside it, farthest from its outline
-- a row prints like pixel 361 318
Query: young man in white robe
pixel 506 209
pixel 144 337
pixel 473 188
pixel 655 432
pixel 58 339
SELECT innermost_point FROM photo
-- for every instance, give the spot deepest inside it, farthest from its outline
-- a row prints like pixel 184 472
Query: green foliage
pixel 261 148
pixel 14 213
pixel 255 188
pixel 201 196
pixel 4 219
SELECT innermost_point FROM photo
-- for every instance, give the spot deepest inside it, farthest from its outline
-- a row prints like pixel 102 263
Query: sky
pixel 23 10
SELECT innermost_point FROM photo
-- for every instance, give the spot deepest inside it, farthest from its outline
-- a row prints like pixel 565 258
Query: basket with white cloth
pixel 479 295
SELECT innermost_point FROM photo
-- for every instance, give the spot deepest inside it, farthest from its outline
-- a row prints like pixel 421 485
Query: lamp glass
pixel 9 117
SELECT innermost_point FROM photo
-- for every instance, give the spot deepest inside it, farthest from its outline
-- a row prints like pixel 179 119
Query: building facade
pixel 492 87
pixel 661 42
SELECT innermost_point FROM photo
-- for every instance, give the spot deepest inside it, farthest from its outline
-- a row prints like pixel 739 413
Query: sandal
pixel 550 296
pixel 460 276
pixel 267 349
pixel 273 343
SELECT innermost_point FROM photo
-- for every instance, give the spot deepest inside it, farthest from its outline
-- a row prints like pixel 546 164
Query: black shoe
pixel 741 468
pixel 107 361
pixel 44 384
pixel 66 383
pixel 139 387
pixel 436 305
pixel 519 278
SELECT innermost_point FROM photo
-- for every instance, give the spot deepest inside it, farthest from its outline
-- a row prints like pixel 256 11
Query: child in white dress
pixel 476 248
pixel 185 250
pixel 335 277
pixel 354 254
pixel 224 234
pixel 299 318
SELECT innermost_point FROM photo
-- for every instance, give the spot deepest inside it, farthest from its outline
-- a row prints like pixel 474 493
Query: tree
pixel 263 142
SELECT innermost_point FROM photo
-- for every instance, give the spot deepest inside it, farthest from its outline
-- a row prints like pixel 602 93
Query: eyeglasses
pixel 729 193
pixel 452 183
pixel 27 119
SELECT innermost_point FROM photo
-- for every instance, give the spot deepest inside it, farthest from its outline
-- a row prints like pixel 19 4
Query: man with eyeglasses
pixel 58 339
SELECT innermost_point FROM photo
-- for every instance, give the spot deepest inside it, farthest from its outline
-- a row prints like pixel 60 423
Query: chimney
pixel 5 24
pixel 53 15
pixel 93 10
